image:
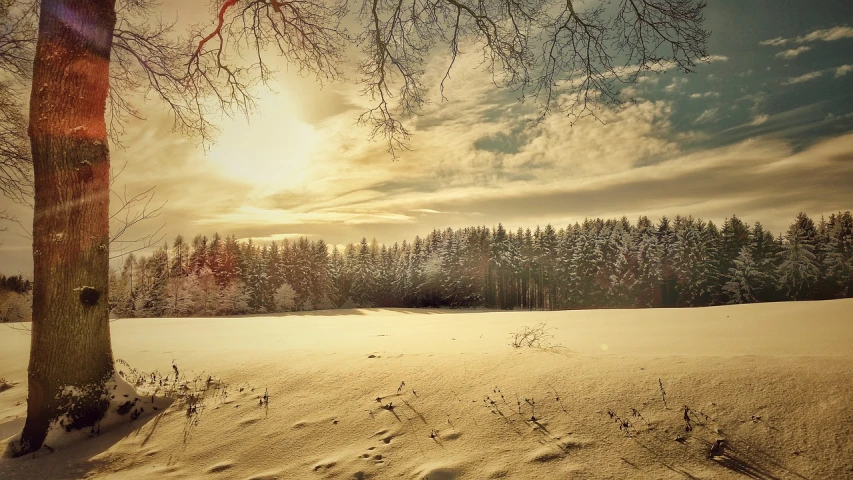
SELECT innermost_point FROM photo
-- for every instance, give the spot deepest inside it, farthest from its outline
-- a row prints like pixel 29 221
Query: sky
pixel 764 130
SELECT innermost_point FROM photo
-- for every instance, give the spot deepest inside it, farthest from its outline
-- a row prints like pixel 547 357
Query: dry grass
pixel 4 385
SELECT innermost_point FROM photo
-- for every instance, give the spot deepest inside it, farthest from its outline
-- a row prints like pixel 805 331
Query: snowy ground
pixel 774 381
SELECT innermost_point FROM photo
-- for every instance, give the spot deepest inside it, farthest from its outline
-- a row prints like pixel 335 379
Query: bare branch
pixel 5 216
pixel 17 42
pixel 148 57
pixel 128 211
pixel 16 163
pixel 308 34
pixel 17 38
pixel 562 57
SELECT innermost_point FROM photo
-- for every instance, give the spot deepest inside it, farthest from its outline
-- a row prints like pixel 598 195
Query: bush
pixel 535 337
pixel 16 307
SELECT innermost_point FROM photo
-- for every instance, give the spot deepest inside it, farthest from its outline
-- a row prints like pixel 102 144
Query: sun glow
pixel 272 151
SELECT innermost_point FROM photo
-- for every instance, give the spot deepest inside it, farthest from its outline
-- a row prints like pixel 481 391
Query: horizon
pixel 166 241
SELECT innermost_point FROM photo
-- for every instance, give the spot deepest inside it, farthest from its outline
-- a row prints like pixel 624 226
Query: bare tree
pixel 16 50
pixel 82 67
pixel 90 53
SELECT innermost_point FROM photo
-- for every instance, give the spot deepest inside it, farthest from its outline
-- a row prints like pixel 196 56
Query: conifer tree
pixel 798 272
pixel 745 278
pixel 364 276
pixel 650 268
pixel 838 259
pixel 339 279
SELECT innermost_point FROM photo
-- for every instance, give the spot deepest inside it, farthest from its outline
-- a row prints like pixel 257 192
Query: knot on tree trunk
pixel 89 296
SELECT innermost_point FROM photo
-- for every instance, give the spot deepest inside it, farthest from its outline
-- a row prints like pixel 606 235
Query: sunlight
pixel 272 151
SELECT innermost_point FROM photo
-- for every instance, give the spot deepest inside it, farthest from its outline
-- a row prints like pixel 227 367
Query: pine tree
pixel 321 280
pixel 120 290
pixel 710 266
pixel 255 277
pixel 797 272
pixel 180 257
pixel 589 281
pixel 364 276
pixel 649 265
pixel 402 266
pixel 198 255
pixel 745 279
pixel 621 269
pixel 206 292
pixel 764 250
pixel 733 237
pixel 838 259
pixel 152 299
pixel 566 240
pixel 668 284
pixel 228 268
pixel 340 282
pixel 214 255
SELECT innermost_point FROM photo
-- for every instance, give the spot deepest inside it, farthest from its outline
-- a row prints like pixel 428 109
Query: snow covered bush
pixel 285 298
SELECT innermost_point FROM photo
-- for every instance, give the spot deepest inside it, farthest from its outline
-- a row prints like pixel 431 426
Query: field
pixel 439 395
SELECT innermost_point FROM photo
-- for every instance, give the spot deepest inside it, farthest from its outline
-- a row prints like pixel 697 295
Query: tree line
pixel 680 262
pixel 15 283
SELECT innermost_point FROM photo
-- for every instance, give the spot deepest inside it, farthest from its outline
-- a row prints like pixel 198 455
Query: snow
pixel 774 382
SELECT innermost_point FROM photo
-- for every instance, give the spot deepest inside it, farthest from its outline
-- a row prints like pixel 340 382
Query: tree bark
pixel 71 354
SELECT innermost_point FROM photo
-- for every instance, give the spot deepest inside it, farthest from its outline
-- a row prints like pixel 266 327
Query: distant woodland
pixel 679 262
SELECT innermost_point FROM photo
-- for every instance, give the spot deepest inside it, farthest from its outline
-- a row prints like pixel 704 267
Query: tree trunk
pixel 71 356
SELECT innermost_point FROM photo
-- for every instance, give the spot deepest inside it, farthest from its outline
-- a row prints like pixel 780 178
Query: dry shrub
pixel 536 337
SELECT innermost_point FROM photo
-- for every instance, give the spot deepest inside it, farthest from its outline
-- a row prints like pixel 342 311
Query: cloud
pixel 432 212
pixel 827 34
pixel 774 42
pixel 838 73
pixel 708 115
pixel 714 58
pixel 249 215
pixel 843 70
pixel 275 237
pixel 804 77
pixel 629 92
pixel 759 120
pixel 705 94
pixel 824 35
pixel 793 53
pixel 761 177
pixel 675 84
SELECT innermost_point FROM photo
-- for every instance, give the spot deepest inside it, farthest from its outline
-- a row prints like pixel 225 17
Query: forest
pixel 679 262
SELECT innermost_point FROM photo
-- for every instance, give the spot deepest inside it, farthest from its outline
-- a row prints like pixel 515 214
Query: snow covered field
pixel 435 395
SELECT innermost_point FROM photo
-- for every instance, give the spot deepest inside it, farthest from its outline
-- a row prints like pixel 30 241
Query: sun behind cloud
pixel 272 151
